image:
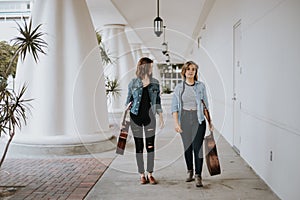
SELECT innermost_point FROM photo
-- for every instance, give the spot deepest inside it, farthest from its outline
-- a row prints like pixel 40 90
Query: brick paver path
pixel 68 178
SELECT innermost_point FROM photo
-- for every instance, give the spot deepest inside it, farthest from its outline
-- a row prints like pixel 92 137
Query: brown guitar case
pixel 211 155
pixel 124 131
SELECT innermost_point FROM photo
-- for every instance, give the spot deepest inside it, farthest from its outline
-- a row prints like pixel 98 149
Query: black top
pixel 144 113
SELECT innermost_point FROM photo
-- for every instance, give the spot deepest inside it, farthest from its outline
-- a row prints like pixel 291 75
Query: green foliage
pixel 167 90
pixel 13 105
pixel 13 109
pixel 7 53
pixel 99 37
pixel 30 40
pixel 106 58
pixel 112 87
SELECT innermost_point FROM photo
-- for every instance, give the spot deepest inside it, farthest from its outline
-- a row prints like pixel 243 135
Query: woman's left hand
pixel 161 122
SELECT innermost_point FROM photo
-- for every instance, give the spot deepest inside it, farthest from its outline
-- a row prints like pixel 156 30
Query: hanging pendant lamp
pixel 158 23
pixel 164 44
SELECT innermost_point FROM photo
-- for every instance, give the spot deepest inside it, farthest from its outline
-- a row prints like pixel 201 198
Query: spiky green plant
pixel 30 40
pixel 13 106
pixel 112 87
pixel 105 56
pixel 13 113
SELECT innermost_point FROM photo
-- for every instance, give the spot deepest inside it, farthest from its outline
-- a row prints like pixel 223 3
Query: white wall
pixel 269 84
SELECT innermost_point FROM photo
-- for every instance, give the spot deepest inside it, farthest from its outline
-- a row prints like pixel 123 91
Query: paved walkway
pixel 87 177
pixel 67 178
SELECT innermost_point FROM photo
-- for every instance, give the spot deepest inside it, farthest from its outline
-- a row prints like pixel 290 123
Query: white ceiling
pixel 183 20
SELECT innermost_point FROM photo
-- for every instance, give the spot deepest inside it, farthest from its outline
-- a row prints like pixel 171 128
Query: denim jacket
pixel 200 93
pixel 135 90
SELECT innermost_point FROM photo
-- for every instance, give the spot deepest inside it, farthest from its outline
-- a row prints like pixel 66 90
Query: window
pixel 14 10
pixel 170 76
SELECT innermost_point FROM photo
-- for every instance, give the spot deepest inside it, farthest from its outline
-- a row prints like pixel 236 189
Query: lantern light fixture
pixel 164 44
pixel 168 59
pixel 158 23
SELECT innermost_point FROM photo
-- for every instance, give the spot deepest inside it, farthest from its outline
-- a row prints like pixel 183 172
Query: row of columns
pixel 122 67
pixel 70 105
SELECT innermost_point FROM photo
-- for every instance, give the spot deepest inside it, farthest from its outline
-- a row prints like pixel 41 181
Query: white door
pixel 237 70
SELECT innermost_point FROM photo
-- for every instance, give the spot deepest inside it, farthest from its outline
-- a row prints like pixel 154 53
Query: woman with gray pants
pixel 187 110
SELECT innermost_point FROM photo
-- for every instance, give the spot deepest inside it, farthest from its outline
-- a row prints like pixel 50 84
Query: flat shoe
pixel 143 180
pixel 152 180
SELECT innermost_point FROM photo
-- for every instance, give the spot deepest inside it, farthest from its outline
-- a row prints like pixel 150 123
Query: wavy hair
pixel 143 67
pixel 186 66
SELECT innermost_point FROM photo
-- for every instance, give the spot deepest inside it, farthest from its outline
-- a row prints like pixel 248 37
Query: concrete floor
pixel 121 181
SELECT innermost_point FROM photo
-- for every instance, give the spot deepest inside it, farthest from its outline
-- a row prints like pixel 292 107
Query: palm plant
pixel 112 87
pixel 106 58
pixel 13 106
pixel 30 40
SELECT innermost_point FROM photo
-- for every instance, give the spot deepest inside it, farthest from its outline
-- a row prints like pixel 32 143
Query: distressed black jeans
pixel 138 134
pixel 192 138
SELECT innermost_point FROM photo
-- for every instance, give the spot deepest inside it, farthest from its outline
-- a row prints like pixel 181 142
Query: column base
pixel 62 145
pixel 115 117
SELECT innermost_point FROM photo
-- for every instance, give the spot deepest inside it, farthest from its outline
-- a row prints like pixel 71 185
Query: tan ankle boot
pixel 189 176
pixel 198 180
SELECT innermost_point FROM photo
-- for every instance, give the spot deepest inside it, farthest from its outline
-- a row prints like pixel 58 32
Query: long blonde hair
pixel 186 66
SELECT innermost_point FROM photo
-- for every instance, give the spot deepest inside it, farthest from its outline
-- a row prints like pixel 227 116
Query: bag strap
pixel 204 104
pixel 127 109
pixel 183 89
pixel 206 113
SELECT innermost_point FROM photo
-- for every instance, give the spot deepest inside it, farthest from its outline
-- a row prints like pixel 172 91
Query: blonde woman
pixel 189 120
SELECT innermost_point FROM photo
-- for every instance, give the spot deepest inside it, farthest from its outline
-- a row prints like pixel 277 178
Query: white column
pixel 67 84
pixel 137 53
pixel 123 67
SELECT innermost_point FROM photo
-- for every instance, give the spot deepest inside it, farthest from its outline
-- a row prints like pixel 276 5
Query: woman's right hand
pixel 178 128
pixel 176 122
pixel 211 127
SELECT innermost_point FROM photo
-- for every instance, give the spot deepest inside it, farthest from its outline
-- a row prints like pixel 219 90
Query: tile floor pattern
pixel 59 178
